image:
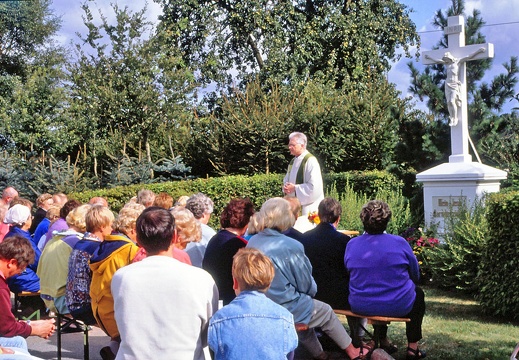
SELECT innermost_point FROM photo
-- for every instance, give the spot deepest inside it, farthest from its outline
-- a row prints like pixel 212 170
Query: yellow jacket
pixel 115 251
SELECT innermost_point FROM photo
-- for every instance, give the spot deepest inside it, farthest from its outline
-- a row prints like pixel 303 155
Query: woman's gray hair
pixel 276 214
pixel 199 204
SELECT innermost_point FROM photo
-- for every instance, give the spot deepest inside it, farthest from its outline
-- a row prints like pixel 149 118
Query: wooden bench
pixel 36 314
pixel 376 321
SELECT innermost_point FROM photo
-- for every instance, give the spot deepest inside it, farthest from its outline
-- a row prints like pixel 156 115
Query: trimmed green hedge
pixel 499 272
pixel 257 188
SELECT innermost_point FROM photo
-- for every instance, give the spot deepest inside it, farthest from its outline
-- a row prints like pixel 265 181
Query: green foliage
pixel 128 91
pixel 26 29
pixel 221 190
pixel 370 183
pixel 259 188
pixel 352 202
pixel 126 170
pixel 353 129
pixel 35 116
pixel 247 134
pixel 454 264
pixel 499 272
pixel 288 41
pixel 13 172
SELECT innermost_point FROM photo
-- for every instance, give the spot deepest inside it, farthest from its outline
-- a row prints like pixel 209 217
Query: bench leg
pixel 376 335
pixel 59 336
pixel 86 349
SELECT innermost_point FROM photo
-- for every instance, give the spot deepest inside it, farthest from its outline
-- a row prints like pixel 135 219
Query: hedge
pixel 498 277
pixel 257 188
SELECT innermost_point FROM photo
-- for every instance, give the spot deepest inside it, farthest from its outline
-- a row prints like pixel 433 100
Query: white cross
pixel 454 57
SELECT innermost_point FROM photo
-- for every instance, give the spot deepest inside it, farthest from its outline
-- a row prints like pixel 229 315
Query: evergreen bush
pixel 454 264
pixel 498 278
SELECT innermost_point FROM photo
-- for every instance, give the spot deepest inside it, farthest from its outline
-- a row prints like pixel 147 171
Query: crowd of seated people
pixel 134 276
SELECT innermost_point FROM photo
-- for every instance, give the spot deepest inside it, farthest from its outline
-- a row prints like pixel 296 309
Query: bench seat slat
pixel 371 319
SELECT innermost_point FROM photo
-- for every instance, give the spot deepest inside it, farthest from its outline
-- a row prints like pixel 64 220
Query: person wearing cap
pixel 19 218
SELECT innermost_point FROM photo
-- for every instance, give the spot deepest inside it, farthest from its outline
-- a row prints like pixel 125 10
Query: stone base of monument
pixel 449 185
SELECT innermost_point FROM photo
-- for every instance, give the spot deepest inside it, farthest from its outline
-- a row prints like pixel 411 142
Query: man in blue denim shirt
pixel 252 326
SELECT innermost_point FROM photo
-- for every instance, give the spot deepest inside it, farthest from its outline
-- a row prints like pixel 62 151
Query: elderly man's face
pixel 295 148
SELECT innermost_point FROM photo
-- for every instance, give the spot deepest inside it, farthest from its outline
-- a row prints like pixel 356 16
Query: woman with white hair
pixel 293 286
pixel 19 218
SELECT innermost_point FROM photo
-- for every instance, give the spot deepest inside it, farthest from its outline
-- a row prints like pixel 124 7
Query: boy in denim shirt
pixel 252 326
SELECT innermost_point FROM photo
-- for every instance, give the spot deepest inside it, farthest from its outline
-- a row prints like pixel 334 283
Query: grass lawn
pixel 455 328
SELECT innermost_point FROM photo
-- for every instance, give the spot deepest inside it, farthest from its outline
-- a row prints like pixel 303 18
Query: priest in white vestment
pixel 303 179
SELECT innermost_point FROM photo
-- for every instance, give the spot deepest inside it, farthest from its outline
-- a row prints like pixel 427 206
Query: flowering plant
pixel 420 241
pixel 314 218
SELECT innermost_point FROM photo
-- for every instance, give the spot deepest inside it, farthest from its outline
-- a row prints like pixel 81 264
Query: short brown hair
pixel 21 201
pixel 19 248
pixel 163 200
pixel 374 216
pixel 252 269
pixel 329 210
pixel 236 214
pixel 295 205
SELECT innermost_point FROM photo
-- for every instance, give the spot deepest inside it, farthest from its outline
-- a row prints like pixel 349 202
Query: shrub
pixel 352 202
pixel 498 278
pixel 454 264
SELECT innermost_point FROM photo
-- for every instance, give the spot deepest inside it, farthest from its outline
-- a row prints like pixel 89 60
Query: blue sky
pixel 493 12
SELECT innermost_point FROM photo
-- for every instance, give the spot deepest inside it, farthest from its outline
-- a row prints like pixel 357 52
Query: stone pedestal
pixel 446 185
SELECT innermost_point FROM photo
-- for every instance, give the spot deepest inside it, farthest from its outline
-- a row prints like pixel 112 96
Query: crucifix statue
pixel 454 58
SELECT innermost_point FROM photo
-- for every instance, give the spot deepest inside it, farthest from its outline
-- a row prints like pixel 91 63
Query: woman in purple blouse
pixel 383 273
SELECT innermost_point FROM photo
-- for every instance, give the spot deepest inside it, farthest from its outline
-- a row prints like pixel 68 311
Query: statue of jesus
pixel 452 83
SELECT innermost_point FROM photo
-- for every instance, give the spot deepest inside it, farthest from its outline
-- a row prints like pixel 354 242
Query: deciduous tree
pixel 288 40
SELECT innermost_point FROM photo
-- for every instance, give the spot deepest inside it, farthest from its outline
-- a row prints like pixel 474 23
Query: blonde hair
pixel 76 217
pixel 40 201
pixel 295 205
pixel 97 217
pixel 276 214
pixel 254 224
pixel 188 228
pixel 182 200
pixel 127 218
pixel 53 212
pixel 252 269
